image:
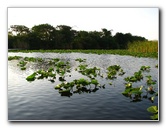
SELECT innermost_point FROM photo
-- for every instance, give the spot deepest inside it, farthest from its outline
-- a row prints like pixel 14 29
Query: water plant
pixel 80 60
pixel 32 59
pixel 130 52
pixel 32 77
pixel 145 68
pixel 146 91
pixel 77 86
pixel 89 72
pixel 22 64
pixel 112 71
pixel 143 47
pixel 154 111
pixel 150 81
pixel 41 74
pixel 156 66
pixel 14 57
pixel 137 77
pixel 133 92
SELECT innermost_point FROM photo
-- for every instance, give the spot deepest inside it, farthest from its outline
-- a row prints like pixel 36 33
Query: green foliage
pixel 14 58
pixel 137 77
pixel 22 65
pixel 77 86
pixel 154 111
pixel 145 68
pixel 112 71
pixel 94 51
pixel 45 36
pixel 89 72
pixel 32 77
pixel 143 47
pixel 90 84
pixel 80 60
pixel 150 81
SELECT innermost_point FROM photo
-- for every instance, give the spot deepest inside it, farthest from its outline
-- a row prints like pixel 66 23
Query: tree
pixel 65 36
pixel 19 30
pixel 45 34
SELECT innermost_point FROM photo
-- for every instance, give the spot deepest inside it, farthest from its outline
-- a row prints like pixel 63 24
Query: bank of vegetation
pixel 46 36
pixel 62 38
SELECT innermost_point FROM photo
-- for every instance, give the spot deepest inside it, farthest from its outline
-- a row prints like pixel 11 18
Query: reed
pixel 143 47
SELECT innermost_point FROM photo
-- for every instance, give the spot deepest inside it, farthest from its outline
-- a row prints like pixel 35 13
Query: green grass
pixel 143 47
pixel 115 52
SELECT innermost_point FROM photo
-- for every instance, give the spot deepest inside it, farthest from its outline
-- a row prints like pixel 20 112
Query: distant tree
pixel 65 36
pixel 18 36
pixel 19 30
pixel 45 34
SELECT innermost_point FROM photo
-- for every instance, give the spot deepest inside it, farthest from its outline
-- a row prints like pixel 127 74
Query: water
pixel 38 100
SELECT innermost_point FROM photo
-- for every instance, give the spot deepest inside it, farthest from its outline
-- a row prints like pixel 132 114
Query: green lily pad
pixel 152 109
pixel 31 77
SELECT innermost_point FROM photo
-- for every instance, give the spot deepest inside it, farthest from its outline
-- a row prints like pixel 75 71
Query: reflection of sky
pixel 137 21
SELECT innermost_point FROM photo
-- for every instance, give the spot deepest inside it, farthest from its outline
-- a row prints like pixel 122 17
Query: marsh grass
pixel 137 49
pixel 143 47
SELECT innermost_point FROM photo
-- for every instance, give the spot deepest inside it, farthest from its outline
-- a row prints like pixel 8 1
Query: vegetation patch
pixel 58 70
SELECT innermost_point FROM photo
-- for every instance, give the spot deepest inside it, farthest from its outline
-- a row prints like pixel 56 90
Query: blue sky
pixel 137 21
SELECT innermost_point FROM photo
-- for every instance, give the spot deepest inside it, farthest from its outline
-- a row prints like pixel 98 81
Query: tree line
pixel 45 36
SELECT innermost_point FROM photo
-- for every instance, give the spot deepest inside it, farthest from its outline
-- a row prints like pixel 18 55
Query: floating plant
pixel 14 57
pixel 150 81
pixel 89 72
pixel 146 91
pixel 156 66
pixel 77 86
pixel 137 77
pixel 112 71
pixel 32 59
pixel 80 60
pixel 41 74
pixel 145 68
pixel 22 64
pixel 154 111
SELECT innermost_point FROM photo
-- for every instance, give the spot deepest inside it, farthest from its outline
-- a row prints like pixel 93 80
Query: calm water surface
pixel 38 100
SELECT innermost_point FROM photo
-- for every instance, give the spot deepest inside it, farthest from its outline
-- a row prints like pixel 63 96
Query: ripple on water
pixel 39 100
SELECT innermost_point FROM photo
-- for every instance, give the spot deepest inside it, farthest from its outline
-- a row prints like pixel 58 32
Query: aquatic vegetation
pixel 32 59
pixel 156 66
pixel 14 57
pixel 145 68
pixel 146 91
pixel 77 86
pixel 32 77
pixel 58 70
pixel 113 70
pixel 137 77
pixel 80 60
pixel 154 111
pixel 22 64
pixel 53 61
pixel 143 47
pixel 150 81
pixel 41 74
pixel 129 91
pixel 89 72
pixel 130 52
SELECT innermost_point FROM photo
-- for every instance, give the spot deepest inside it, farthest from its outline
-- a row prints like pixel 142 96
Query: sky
pixel 137 21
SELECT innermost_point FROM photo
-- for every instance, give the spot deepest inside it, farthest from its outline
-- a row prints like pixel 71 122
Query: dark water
pixel 39 100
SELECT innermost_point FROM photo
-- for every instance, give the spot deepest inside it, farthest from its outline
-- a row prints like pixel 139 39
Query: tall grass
pixel 143 47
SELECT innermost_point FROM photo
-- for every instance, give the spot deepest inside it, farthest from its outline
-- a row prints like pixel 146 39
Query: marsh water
pixel 38 100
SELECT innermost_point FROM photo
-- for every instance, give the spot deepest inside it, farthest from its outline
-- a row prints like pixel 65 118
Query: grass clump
pixel 143 47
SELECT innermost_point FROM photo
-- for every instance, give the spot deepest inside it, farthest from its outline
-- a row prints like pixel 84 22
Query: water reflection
pixel 101 97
